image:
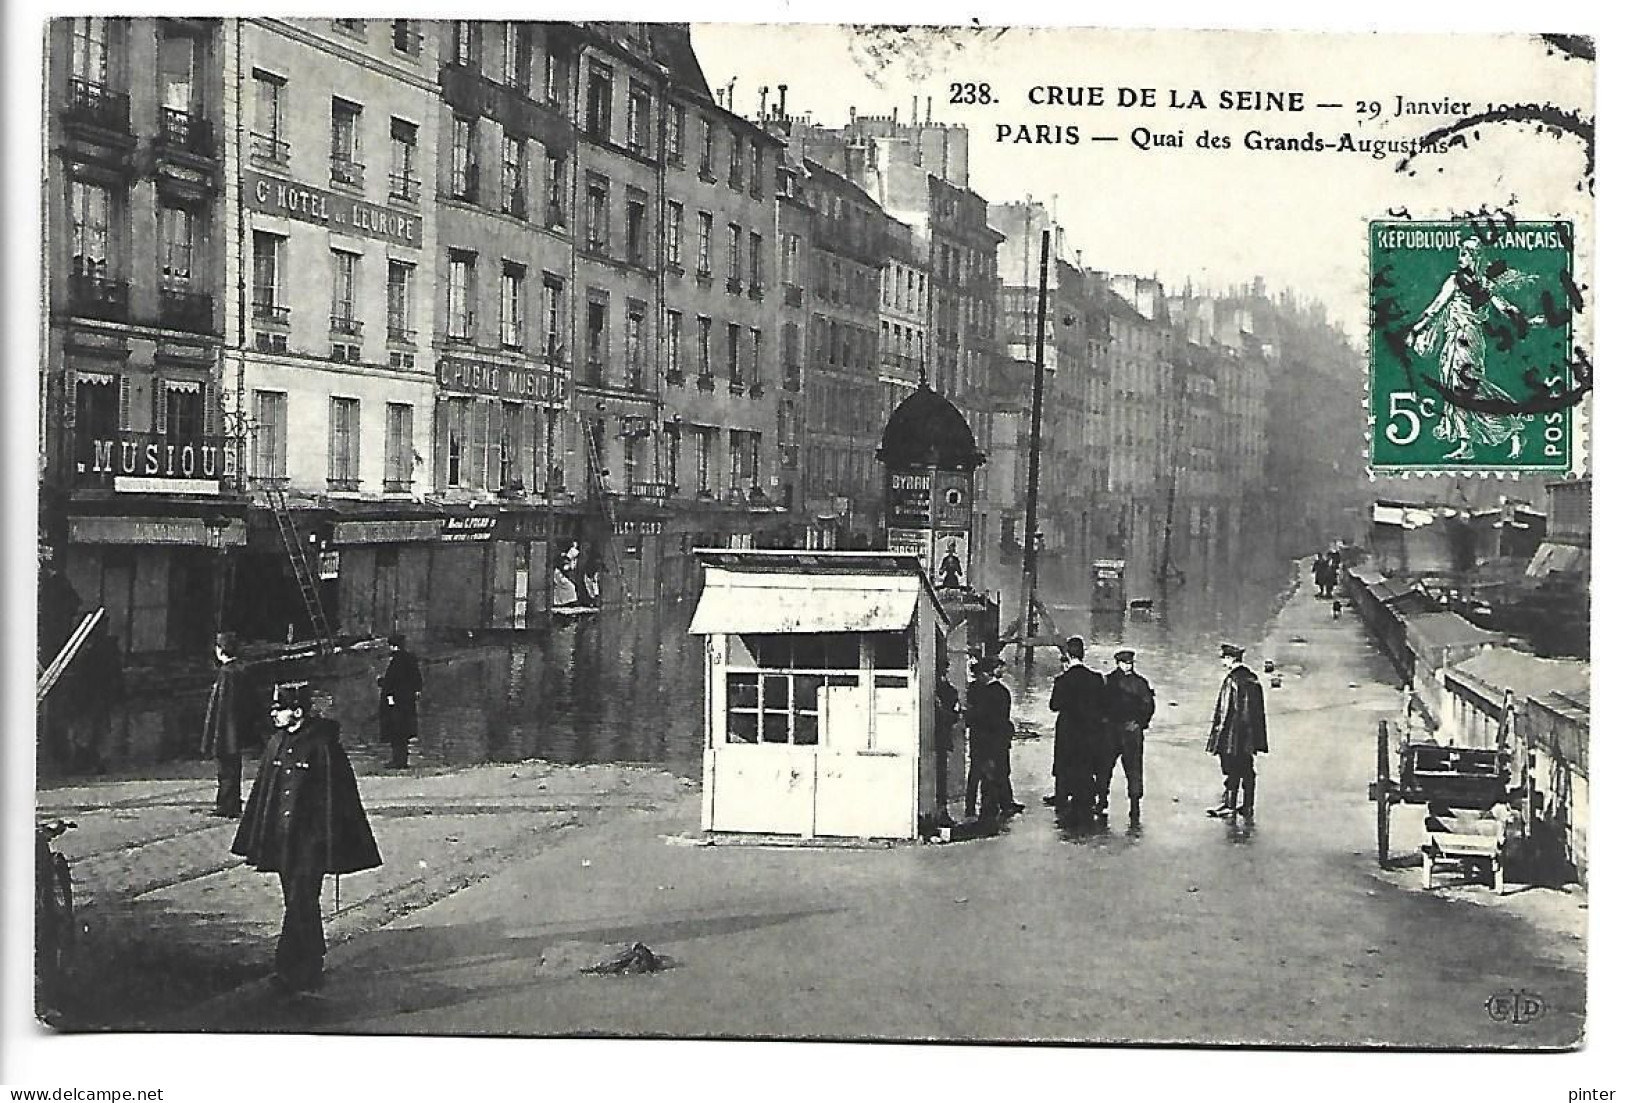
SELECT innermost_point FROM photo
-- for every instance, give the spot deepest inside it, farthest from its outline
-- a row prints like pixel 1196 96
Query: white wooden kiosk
pixel 820 681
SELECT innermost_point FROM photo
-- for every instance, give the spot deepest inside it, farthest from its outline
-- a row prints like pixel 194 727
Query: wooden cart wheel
pixel 1384 809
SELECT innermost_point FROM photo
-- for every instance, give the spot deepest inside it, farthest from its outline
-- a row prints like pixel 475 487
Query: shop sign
pixel 474 528
pixel 915 542
pixel 155 463
pixel 639 528
pixel 511 381
pixel 908 499
pixel 385 532
pixel 189 531
pixel 321 207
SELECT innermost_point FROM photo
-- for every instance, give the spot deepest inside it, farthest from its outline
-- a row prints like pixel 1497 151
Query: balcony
pixel 736 386
pixel 674 377
pixel 792 377
pixel 702 277
pixel 514 203
pixel 94 105
pixel 343 484
pixel 756 291
pixel 266 150
pixel 706 173
pixel 99 297
pixel 756 390
pixel 185 131
pixel 400 331
pixel 594 373
pixel 270 313
pixel 190 311
pixel 404 187
pixel 555 216
pixel 348 173
pixel 345 325
pixel 705 381
pixel 397 486
pixel 792 296
pixel 465 185
pixel 513 336
pixel 734 285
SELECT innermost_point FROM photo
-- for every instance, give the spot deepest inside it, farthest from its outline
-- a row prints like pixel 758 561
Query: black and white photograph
pixel 792 529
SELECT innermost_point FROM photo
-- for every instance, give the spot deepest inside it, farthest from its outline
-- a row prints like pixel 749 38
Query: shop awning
pixel 801 608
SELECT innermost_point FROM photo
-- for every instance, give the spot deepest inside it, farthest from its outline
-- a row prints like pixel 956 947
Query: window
pixel 733 257
pixel 346 146
pixel 675 136
pixel 180 410
pixel 707 141
pixel 515 71
pixel 558 190
pixel 597 215
pixel 266 143
pixel 405 36
pixel 509 443
pixel 460 296
pixel 792 356
pixel 597 349
pixel 270 435
pixel 674 234
pixel 344 444
pixel 702 347
pixel 702 459
pixel 403 160
pixel 790 260
pixel 736 160
pixel 513 175
pixel 513 305
pixel 177 59
pixel 558 78
pixel 544 432
pixel 397 448
pixel 463 50
pixel 457 411
pixel 399 302
pixel 634 348
pixel 89 60
pixel 344 319
pixel 736 459
pixel 756 170
pixel 756 360
pixel 674 346
pixel 92 229
pixel 268 277
pixel 756 264
pixel 674 455
pixel 464 167
pixel 637 230
pixel 553 317
pixel 600 102
pixel 702 262
pixel 734 378
pixel 350 26
pixel 637 119
pixel 177 231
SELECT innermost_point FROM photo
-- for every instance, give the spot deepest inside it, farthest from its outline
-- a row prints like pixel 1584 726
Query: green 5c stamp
pixel 1472 360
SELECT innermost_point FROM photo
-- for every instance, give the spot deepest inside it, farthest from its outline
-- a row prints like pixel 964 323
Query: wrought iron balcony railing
pixel 350 173
pixel 186 131
pixel 191 311
pixel 91 103
pixel 99 297
pixel 346 325
pixel 405 187
pixel 267 150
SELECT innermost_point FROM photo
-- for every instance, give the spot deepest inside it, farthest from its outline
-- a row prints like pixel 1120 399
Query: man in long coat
pixel 1081 734
pixel 1238 733
pixel 304 820
pixel 231 724
pixel 987 718
pixel 398 689
pixel 1131 703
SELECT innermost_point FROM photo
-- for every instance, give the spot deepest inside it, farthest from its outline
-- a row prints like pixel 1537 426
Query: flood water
pixel 625 685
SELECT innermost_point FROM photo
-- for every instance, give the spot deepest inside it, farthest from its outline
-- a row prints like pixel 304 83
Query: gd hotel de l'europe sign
pixel 322 207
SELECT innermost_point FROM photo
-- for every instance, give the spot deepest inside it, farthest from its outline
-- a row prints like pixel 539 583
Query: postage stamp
pixel 1472 361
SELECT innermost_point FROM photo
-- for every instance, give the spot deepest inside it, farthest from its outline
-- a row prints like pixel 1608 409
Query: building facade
pixel 140 477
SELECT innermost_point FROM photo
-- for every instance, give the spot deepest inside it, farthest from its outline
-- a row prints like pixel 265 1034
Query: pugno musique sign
pixel 501 380
pixel 326 208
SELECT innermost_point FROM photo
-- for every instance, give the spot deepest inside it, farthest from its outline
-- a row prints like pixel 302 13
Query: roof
pixel 1447 630
pixel 928 430
pixel 800 592
pixel 1527 675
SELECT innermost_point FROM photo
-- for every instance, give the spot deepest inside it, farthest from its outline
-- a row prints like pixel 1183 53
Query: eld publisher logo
pixel 1518 1007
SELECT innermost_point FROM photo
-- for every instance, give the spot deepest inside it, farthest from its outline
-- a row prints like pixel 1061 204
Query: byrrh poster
pixel 1240 695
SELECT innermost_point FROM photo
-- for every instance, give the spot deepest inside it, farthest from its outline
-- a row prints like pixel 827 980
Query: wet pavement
pixel 1185 929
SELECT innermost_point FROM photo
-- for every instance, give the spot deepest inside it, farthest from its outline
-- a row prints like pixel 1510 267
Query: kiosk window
pixel 772 707
pixel 891 650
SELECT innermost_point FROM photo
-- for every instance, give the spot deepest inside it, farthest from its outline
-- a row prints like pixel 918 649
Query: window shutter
pixel 124 402
pixel 70 398
pixel 211 410
pixel 160 407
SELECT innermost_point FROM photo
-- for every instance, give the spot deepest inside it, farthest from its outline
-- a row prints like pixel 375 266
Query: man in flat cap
pixel 1238 733
pixel 1130 703
pixel 304 820
pixel 987 719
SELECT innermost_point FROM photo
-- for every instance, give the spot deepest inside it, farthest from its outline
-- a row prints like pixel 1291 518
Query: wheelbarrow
pixel 1465 790
pixel 1468 841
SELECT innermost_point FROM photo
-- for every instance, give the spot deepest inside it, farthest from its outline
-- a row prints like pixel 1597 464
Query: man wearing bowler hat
pixel 1238 733
pixel 304 820
pixel 1130 704
pixel 398 689
pixel 987 718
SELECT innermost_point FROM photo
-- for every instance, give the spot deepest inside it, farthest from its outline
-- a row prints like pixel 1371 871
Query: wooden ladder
pixel 277 499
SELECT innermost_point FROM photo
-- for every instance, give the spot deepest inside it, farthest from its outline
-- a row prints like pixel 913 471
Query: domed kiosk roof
pixel 928 430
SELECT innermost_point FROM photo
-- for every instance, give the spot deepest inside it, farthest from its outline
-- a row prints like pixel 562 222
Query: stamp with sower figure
pixel 1473 366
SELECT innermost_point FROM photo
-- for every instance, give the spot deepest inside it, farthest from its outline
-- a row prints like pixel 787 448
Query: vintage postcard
pixel 813 531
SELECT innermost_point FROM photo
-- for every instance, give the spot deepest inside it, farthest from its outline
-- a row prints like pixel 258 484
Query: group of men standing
pixel 1101 720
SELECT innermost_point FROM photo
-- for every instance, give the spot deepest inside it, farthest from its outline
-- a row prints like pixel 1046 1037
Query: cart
pixel 1465 790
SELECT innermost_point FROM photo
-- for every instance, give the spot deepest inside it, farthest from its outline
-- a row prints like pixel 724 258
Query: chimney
pixel 783 88
pixel 928 111
pixel 914 113
pixel 761 107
